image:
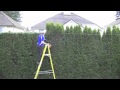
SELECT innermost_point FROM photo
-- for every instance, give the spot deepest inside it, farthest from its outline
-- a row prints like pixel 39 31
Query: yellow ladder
pixel 39 66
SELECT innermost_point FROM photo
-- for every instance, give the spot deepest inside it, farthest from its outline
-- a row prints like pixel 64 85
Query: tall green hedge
pixel 76 53
pixel 17 55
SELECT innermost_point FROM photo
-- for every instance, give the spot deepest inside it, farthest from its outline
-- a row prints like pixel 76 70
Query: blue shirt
pixel 41 38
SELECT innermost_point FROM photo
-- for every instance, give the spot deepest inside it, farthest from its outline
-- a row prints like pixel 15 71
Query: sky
pixel 101 18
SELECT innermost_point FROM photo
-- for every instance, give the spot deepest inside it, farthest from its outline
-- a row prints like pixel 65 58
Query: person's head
pixel 42 33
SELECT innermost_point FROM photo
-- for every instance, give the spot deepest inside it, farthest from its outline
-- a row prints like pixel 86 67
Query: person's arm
pixel 44 42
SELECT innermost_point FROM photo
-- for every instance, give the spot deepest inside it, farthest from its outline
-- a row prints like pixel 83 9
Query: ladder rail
pixel 39 66
pixel 51 63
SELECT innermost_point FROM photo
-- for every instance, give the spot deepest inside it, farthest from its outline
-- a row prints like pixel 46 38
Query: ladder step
pixel 47 55
pixel 46 72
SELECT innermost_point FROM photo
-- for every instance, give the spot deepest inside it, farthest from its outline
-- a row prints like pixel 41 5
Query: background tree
pixel 14 15
pixel 117 15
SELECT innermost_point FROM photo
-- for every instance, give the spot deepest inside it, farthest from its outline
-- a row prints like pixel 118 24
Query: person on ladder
pixel 41 44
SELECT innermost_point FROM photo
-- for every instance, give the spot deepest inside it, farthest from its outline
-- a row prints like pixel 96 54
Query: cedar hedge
pixel 76 54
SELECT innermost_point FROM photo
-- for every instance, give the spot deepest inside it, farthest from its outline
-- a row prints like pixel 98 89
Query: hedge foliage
pixel 76 54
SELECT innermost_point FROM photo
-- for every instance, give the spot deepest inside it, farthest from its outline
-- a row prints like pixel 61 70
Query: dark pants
pixel 40 52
